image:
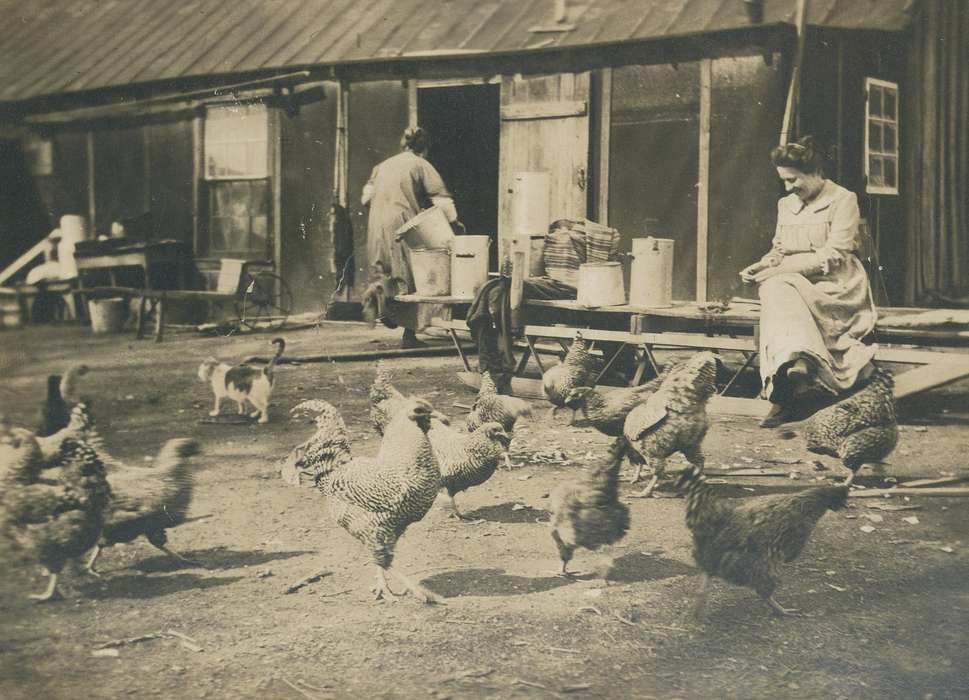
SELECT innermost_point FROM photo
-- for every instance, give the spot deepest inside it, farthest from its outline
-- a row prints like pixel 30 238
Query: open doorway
pixel 464 123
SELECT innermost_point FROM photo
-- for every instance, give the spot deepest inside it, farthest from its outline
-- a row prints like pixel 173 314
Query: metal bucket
pixel 469 265
pixel 651 274
pixel 601 284
pixel 429 229
pixel 431 268
pixel 107 315
pixel 530 203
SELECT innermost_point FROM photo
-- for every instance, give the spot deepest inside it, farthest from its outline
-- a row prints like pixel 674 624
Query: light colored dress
pixel 823 313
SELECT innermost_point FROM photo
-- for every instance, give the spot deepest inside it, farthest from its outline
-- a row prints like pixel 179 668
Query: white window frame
pixel 213 139
pixel 880 119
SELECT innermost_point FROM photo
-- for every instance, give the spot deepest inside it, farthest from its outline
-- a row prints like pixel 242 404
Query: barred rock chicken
pixel 859 429
pixel 376 499
pixel 56 519
pixel 607 411
pixel 588 514
pixel 574 371
pixel 80 426
pixel 385 400
pixel 55 411
pixel 490 406
pixel 674 419
pixel 744 543
pixel 467 460
pixel 149 501
pixel 328 448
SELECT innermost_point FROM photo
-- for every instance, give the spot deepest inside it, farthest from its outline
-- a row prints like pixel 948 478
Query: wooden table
pixel 145 256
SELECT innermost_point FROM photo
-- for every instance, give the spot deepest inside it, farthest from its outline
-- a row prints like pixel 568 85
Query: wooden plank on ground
pixel 930 376
pixel 902 491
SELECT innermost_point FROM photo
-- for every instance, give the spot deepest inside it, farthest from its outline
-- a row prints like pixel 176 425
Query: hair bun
pixel 414 139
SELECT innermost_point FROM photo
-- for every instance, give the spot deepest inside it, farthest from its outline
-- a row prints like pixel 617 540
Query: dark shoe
pixel 410 341
pixel 777 415
pixel 799 373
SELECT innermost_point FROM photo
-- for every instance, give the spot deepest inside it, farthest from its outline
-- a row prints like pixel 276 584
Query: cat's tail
pixel 268 369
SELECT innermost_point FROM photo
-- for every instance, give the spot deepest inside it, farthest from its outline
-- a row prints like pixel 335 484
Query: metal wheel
pixel 265 303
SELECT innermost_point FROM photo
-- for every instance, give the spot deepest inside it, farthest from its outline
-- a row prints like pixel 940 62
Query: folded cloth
pixel 569 243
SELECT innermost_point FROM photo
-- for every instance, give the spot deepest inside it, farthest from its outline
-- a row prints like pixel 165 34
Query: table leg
pixel 160 318
pixel 457 345
pixel 748 359
pixel 538 359
pixel 142 309
pixel 622 346
pixel 523 362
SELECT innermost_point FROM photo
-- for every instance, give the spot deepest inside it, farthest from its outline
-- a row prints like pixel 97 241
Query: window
pixel 237 180
pixel 881 136
pixel 39 152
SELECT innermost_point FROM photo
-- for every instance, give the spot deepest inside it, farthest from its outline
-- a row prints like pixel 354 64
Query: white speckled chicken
pixel 376 499
pixel 673 419
pixel 490 406
pixel 744 541
pixel 328 448
pixel 575 370
pixel 606 411
pixel 55 519
pixel 149 501
pixel 860 429
pixel 467 460
pixel 588 513
pixel 385 399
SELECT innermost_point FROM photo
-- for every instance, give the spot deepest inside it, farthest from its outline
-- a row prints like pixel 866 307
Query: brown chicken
pixel 376 499
pixel 150 501
pixel 745 542
pixel 55 516
pixel 490 406
pixel 575 370
pixel 324 452
pixel 860 429
pixel 467 460
pixel 606 411
pixel 588 513
pixel 673 419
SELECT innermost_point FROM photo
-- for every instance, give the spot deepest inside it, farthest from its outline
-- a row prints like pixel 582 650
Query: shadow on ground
pixel 142 587
pixel 489 582
pixel 213 558
pixel 506 513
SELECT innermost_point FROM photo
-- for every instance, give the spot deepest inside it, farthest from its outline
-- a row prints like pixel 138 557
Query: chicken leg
pixel 659 469
pixel 159 540
pixel 778 608
pixel 89 564
pixel 382 590
pixel 51 592
pixel 421 593
pixel 458 514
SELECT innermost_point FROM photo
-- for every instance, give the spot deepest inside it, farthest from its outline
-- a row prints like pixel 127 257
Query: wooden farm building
pixel 236 124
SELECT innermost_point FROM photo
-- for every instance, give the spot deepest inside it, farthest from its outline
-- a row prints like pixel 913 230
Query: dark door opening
pixel 464 123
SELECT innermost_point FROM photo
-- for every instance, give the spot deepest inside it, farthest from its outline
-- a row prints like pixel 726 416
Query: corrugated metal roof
pixel 50 47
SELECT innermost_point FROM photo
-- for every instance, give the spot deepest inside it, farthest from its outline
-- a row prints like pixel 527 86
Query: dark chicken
pixel 673 419
pixel 745 543
pixel 55 411
pixel 57 516
pixel 588 513
pixel 859 429
pixel 575 370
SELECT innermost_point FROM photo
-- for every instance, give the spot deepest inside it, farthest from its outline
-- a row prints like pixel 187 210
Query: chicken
pixel 376 499
pixel 80 426
pixel 55 411
pixel 55 520
pixel 588 513
pixel 607 411
pixel 385 400
pixel 149 501
pixel 324 452
pixel 744 543
pixel 574 371
pixel 859 429
pixel 673 419
pixel 490 406
pixel 467 460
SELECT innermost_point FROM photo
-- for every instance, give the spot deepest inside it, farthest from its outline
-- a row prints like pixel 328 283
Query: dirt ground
pixel 885 611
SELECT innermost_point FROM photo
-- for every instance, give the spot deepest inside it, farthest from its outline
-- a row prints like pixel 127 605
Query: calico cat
pixel 242 382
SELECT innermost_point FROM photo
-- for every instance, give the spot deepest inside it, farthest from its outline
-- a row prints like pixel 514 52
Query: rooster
pixel 574 371
pixel 607 411
pixel 149 501
pixel 377 499
pixel 55 519
pixel 490 406
pixel 326 450
pixel 745 543
pixel 467 460
pixel 673 419
pixel 859 429
pixel 588 514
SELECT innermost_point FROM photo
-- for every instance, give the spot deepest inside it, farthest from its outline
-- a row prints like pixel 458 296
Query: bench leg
pixel 457 345
pixel 160 319
pixel 622 346
pixel 523 362
pixel 141 317
pixel 531 348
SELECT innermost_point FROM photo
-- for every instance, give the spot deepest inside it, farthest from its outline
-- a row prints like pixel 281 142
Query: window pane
pixel 889 142
pixel 875 101
pixel 888 107
pixel 239 222
pixel 874 136
pixel 236 141
pixel 890 171
pixel 875 176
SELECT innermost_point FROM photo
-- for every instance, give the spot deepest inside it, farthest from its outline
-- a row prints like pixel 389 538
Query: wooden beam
pixel 929 376
pixel 412 112
pixel 544 110
pixel 91 201
pixel 15 267
pixel 793 87
pixel 703 181
pixel 605 129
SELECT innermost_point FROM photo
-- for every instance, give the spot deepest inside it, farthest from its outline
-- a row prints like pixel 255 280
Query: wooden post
pixel 519 270
pixel 703 181
pixel 605 128
pixel 794 86
pixel 412 103
pixel 91 200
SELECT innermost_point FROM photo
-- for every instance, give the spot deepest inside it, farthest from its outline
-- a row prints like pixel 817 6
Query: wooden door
pixel 545 126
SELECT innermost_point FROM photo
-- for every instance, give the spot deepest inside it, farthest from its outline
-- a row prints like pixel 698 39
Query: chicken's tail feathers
pixel 833 497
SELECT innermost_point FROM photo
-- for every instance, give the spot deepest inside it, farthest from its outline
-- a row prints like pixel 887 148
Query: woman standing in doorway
pixel 398 189
pixel 816 302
